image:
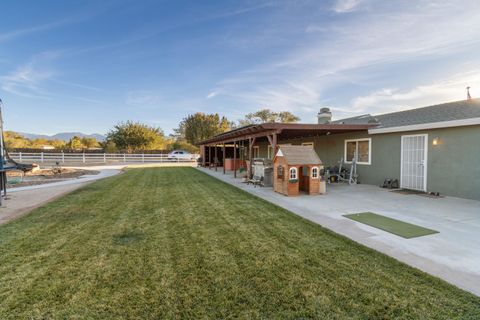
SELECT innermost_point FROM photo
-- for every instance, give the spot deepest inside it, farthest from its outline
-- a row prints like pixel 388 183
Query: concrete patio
pixel 453 254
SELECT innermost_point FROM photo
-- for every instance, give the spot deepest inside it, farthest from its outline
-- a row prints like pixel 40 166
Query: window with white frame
pixel 270 152
pixel 315 173
pixel 293 173
pixel 362 148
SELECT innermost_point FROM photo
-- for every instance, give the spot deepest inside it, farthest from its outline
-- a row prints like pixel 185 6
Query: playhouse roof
pixel 297 155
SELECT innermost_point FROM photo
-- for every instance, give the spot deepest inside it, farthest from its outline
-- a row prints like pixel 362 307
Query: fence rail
pixel 48 157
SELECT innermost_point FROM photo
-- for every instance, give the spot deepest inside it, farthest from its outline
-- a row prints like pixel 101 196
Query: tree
pixel 267 115
pixel 75 143
pixel 287 117
pixel 131 136
pixel 182 144
pixel 89 143
pixel 39 142
pixel 58 144
pixel 201 126
pixel 14 140
pixel 109 146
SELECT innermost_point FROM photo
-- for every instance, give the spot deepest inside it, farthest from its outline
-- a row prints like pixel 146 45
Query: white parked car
pixel 181 155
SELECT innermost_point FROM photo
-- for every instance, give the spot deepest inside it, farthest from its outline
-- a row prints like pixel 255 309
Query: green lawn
pixel 176 243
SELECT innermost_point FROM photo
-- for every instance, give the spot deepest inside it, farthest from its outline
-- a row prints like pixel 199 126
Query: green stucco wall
pixel 453 166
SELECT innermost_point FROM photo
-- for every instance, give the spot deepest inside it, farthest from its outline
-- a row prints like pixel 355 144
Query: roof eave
pixel 255 129
pixel 427 126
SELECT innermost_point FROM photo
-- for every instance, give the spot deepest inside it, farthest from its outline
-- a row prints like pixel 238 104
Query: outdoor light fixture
pixel 435 141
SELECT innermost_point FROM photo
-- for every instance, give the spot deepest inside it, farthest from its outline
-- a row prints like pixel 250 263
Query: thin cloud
pixel 212 94
pixel 303 77
pixel 77 18
pixel 313 28
pixel 343 6
pixel 143 98
pixel 76 85
pixel 450 88
pixel 143 35
pixel 24 81
pixel 25 31
pixel 31 79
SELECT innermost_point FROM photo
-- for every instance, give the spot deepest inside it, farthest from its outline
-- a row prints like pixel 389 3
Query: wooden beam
pixel 223 162
pixel 274 143
pixel 270 140
pixel 247 136
pixel 251 144
pixel 209 157
pixel 267 128
pixel 262 134
pixel 203 153
pixel 216 157
pixel 235 159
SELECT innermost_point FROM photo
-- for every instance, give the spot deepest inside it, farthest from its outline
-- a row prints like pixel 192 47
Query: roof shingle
pixel 297 155
pixel 458 110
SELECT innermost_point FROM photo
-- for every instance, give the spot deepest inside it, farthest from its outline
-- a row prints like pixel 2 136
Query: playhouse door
pixel 304 179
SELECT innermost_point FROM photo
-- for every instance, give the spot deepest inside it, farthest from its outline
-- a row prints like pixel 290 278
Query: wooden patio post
pixel 234 159
pixel 203 154
pixel 209 157
pixel 223 162
pixel 216 157
pixel 274 144
pixel 251 143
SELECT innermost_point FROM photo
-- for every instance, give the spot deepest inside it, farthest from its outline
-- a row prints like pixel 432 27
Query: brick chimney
pixel 324 116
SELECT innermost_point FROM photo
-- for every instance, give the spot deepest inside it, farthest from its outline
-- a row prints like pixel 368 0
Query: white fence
pixel 48 157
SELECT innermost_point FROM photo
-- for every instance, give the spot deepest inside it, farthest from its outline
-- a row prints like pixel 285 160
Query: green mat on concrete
pixel 400 228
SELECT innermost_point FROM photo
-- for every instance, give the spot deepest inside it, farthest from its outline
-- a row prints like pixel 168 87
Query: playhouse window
pixel 280 172
pixel 315 172
pixel 293 173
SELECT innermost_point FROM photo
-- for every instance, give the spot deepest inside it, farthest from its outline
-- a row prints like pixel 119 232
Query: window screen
pixel 363 151
pixel 351 148
pixel 359 147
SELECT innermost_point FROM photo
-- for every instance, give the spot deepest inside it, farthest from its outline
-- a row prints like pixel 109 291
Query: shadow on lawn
pixel 127 238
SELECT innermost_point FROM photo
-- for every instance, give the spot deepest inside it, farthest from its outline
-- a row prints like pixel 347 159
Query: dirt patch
pixel 17 179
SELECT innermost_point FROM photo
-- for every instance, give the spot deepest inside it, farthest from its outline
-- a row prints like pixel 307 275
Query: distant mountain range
pixel 65 136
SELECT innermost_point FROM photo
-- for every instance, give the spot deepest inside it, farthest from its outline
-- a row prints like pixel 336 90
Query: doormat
pixel 418 193
pixel 397 227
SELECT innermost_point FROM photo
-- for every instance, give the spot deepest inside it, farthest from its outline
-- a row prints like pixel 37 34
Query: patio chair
pixel 215 163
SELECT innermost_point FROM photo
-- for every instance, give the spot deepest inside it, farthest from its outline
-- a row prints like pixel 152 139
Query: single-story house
pixel 431 149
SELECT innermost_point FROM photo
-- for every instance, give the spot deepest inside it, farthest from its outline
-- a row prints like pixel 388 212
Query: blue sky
pixel 86 65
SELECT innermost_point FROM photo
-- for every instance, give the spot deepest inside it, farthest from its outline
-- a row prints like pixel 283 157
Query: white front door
pixel 413 170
